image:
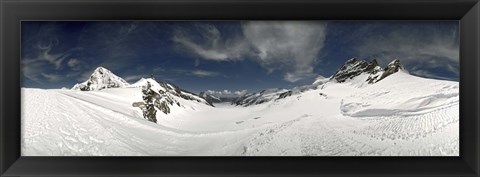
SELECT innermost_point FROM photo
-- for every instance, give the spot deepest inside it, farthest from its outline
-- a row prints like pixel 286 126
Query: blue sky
pixel 231 55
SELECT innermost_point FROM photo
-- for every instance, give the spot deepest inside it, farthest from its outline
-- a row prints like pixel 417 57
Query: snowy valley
pixel 361 110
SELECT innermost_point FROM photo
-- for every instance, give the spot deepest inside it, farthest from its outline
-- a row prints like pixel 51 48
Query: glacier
pixel 398 115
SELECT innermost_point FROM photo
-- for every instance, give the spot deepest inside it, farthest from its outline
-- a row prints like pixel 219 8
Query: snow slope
pixel 400 115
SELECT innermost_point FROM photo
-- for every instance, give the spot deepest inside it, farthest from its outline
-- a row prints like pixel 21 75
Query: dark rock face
pixel 156 99
pixel 149 111
pixel 85 87
pixel 355 67
pixel 161 96
pixel 285 94
pixel 162 101
pixel 393 67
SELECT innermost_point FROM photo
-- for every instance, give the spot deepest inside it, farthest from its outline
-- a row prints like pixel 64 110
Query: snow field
pixel 401 115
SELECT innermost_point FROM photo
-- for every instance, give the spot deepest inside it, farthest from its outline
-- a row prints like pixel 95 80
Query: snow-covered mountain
pixel 169 90
pixel 221 96
pixel 356 71
pixel 362 110
pixel 260 97
pixel 166 95
pixel 391 68
pixel 211 98
pixel 101 78
pixel 159 98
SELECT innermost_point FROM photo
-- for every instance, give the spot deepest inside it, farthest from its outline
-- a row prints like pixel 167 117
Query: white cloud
pixel 73 62
pixel 158 69
pixel 42 62
pixel 31 70
pixel 428 74
pixel 211 46
pixel 415 46
pixel 113 45
pixel 133 78
pixel 52 77
pixel 203 73
pixel 291 47
pixel 44 55
pixel 294 77
pixel 209 54
pixel 76 64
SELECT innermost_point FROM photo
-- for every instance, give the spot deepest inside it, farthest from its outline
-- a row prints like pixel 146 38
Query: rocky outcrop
pixel 355 67
pixel 161 96
pixel 285 94
pixel 171 90
pixel 392 67
pixel 149 96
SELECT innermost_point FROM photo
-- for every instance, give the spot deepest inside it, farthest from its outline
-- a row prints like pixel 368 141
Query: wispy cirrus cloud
pixel 44 64
pixel 204 73
pixel 52 77
pixel 178 72
pixel 32 71
pixel 44 54
pixel 112 47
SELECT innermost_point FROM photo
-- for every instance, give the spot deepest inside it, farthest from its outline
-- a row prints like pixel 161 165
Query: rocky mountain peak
pixel 354 67
pixel 391 68
pixel 394 65
pixel 101 70
pixel 101 78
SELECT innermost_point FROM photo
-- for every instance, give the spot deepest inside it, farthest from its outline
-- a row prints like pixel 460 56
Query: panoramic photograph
pixel 240 88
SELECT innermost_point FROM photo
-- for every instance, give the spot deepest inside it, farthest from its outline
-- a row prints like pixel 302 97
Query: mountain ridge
pixel 102 78
pixel 351 69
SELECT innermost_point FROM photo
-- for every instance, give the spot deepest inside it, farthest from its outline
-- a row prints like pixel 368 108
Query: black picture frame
pixel 14 11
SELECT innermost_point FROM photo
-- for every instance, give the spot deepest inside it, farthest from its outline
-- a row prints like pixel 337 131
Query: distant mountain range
pixel 349 70
pixel 103 78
